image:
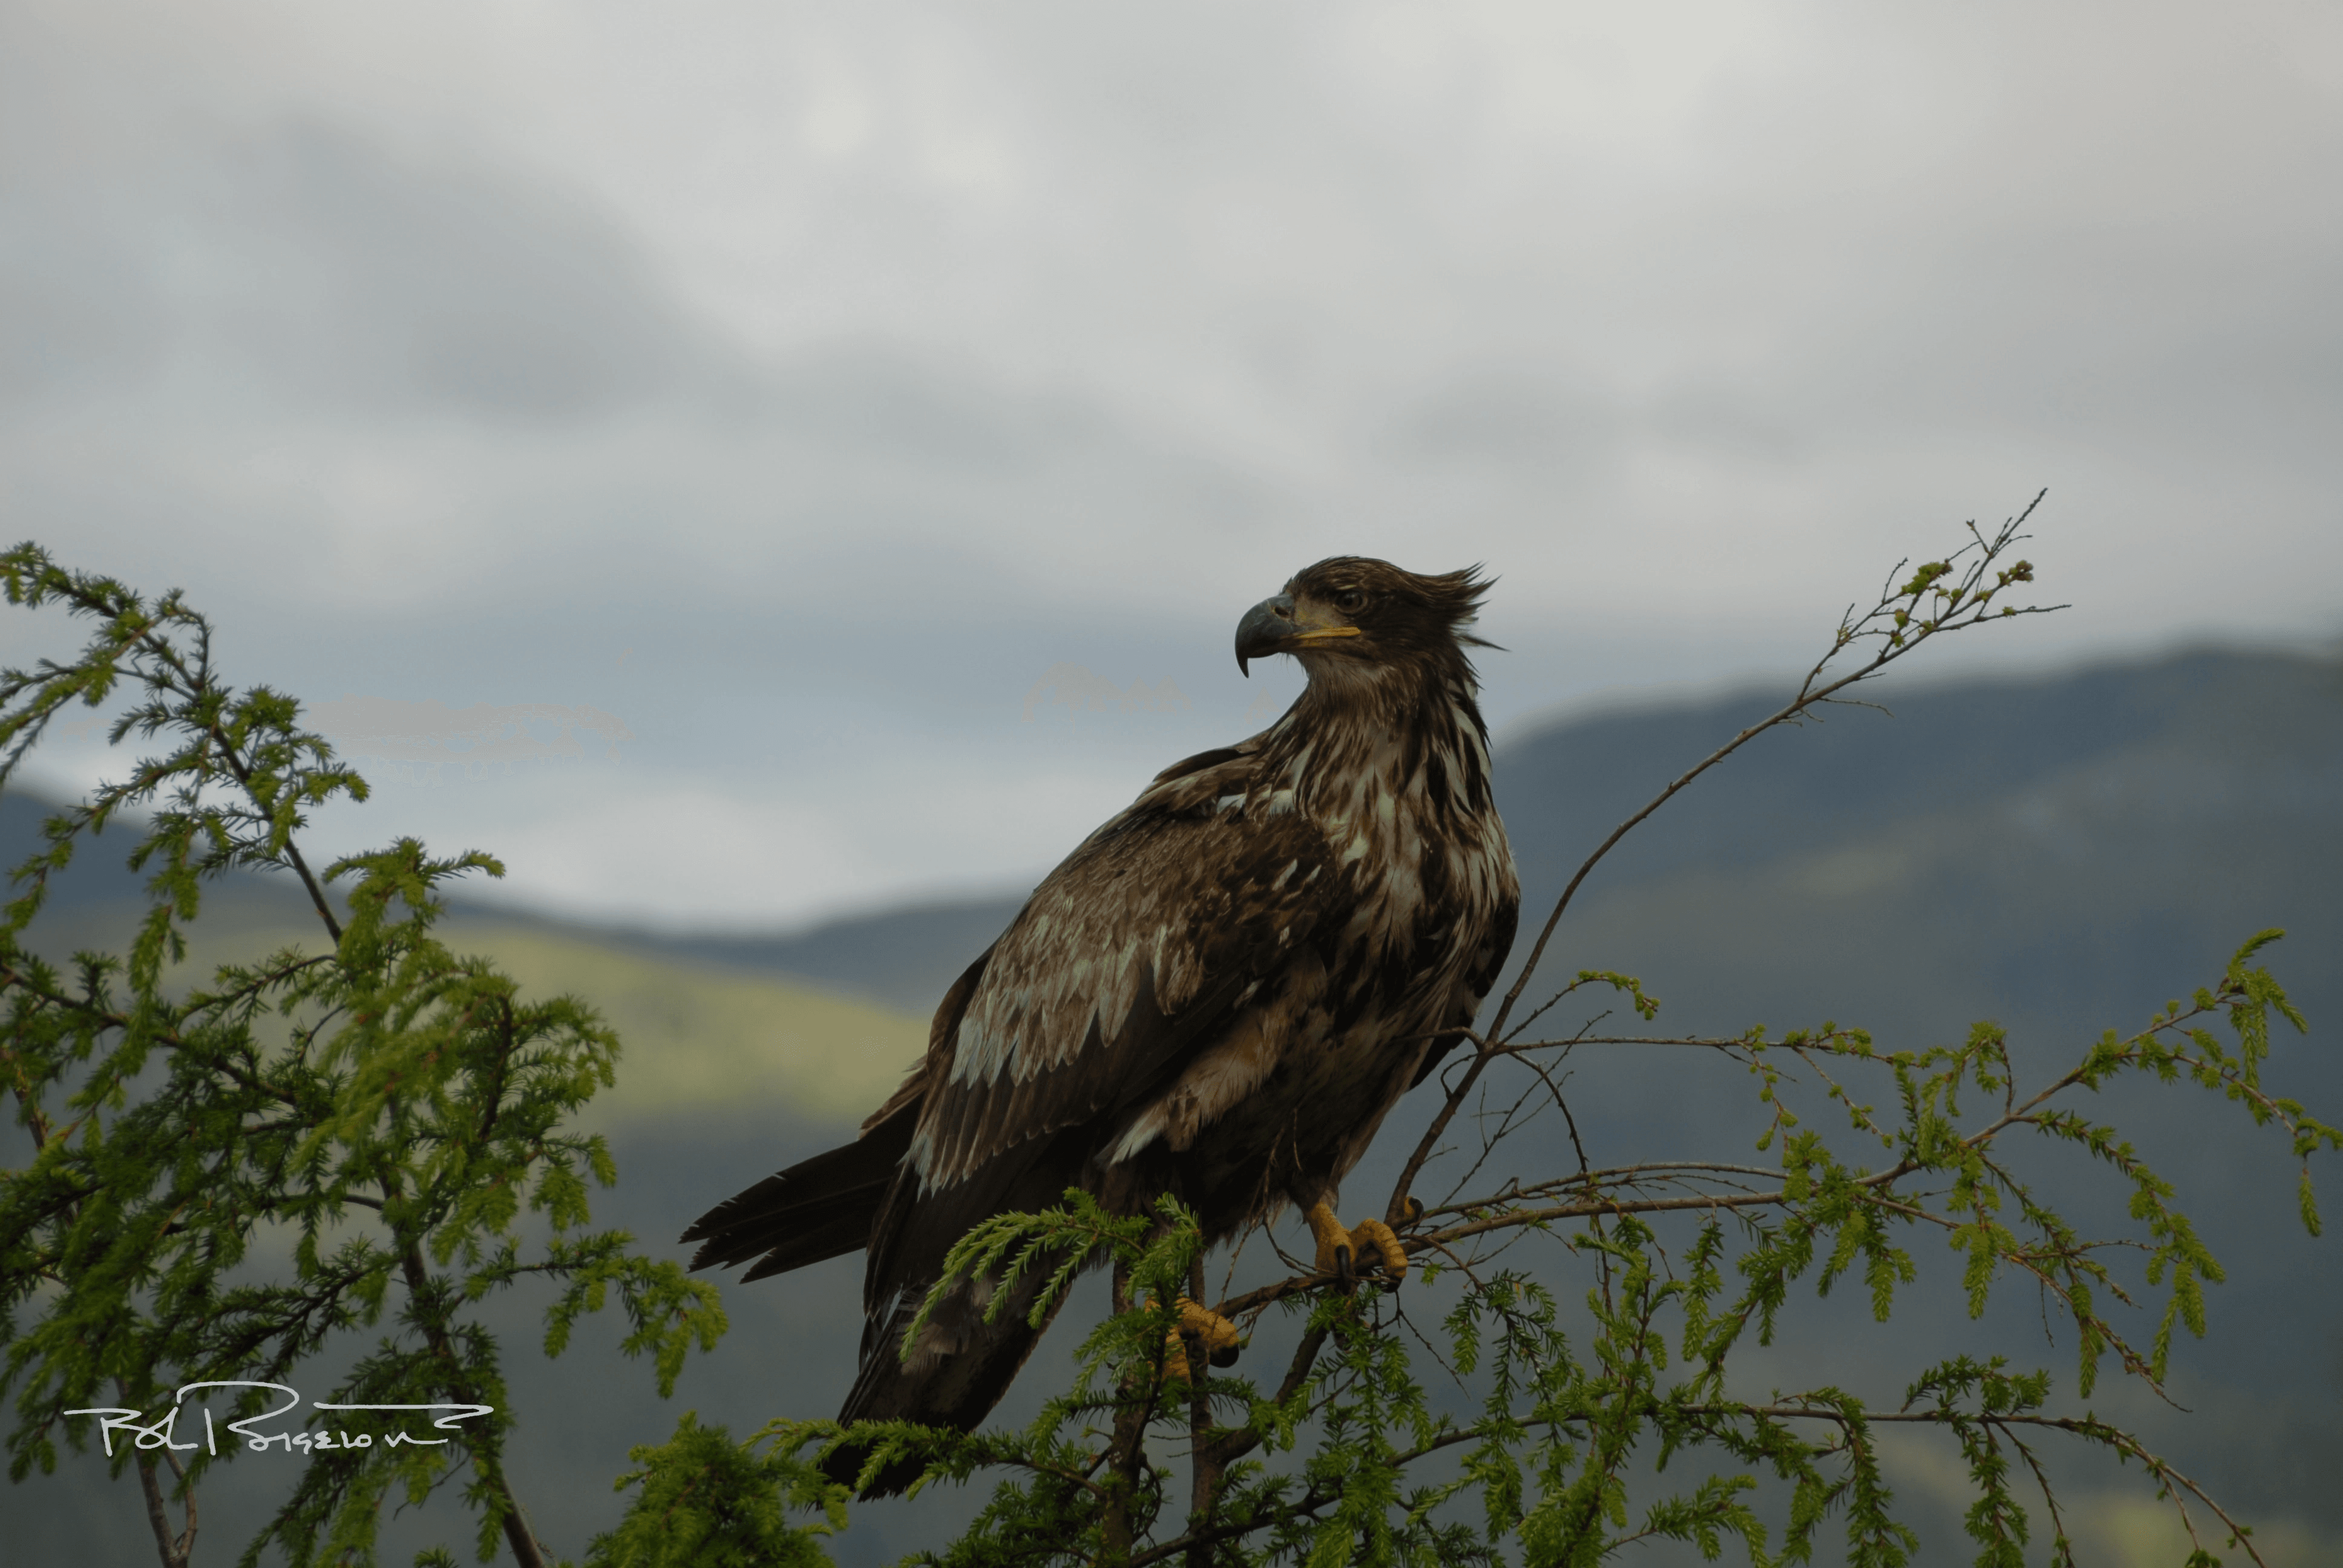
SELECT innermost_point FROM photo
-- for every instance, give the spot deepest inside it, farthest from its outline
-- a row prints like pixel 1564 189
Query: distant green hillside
pixel 698 1039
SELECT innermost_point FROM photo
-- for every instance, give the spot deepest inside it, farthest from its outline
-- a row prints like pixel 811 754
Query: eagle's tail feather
pixel 817 1209
pixel 955 1385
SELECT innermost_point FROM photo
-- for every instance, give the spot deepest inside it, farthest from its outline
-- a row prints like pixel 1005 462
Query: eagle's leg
pixel 1368 1244
pixel 1215 1336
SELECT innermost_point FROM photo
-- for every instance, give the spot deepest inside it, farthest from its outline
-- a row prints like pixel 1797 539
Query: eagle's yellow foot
pixel 1370 1244
pixel 1215 1336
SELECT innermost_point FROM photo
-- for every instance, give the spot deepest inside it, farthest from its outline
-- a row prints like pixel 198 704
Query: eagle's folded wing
pixel 1137 953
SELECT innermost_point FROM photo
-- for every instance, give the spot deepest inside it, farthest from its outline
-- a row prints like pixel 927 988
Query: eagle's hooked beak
pixel 1274 626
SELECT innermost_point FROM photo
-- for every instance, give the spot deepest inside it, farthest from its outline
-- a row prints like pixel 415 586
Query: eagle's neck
pixel 1393 743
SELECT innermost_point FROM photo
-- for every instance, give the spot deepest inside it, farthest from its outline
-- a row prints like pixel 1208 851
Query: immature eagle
pixel 1220 994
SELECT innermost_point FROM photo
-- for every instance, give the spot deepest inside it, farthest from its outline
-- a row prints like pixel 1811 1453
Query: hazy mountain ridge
pixel 2256 738
pixel 2254 741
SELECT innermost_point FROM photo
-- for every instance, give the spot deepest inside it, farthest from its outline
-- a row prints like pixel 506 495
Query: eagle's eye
pixel 1351 600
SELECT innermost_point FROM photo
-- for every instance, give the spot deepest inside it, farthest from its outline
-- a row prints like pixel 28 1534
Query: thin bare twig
pixel 1957 606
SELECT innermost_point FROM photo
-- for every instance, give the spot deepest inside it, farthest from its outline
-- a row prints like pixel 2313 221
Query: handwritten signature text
pixel 162 1432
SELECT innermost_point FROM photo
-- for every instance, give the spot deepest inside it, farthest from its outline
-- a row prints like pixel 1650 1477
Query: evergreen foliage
pixel 346 1140
pixel 388 1114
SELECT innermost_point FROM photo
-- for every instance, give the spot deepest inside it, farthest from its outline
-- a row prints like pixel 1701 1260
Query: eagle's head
pixel 1349 617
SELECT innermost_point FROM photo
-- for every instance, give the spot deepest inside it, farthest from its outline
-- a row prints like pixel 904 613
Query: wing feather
pixel 1137 952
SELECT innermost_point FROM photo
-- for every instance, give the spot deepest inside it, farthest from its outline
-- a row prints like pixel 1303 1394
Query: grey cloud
pixel 392 730
pixel 2083 343
pixel 865 433
pixel 309 293
pixel 1505 415
pixel 81 308
pixel 1080 691
pixel 383 282
pixel 304 263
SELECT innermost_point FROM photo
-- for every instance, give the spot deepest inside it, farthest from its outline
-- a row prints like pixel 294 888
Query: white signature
pixel 159 1433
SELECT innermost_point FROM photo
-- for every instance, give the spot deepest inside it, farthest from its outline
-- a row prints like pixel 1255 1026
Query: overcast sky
pixel 811 392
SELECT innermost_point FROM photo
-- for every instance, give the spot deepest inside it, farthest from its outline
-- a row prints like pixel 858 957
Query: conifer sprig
pixel 229 1175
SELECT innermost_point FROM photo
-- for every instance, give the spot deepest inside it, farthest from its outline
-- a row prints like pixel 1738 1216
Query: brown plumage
pixel 1219 993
